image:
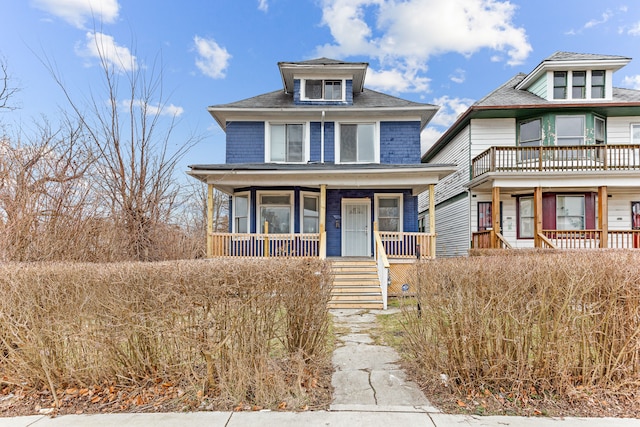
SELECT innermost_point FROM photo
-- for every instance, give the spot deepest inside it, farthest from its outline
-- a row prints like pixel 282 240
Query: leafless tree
pixel 7 91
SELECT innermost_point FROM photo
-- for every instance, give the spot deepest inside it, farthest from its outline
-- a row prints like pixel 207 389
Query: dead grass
pixel 529 333
pixel 173 335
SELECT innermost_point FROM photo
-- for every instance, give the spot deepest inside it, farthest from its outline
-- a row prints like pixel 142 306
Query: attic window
pixel 560 85
pixel 597 84
pixel 328 90
pixel 579 84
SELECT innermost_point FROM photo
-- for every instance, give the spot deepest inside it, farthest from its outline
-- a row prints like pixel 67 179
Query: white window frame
pixel 597 119
pixel 259 205
pixel 304 194
pixel 305 143
pixel 584 211
pixel 376 205
pixel 376 140
pixel 584 129
pixel 246 194
pixel 631 129
pixel 521 235
pixel 303 89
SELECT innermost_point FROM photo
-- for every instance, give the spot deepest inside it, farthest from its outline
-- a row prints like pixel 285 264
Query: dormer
pixel 574 77
pixel 323 81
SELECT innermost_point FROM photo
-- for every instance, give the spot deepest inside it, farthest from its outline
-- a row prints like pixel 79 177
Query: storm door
pixel 356 237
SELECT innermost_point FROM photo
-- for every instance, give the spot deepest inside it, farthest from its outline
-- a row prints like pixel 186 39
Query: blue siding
pixel 329 142
pixel 315 143
pixel 400 142
pixel 245 142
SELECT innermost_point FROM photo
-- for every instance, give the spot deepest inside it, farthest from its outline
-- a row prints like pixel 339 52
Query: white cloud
pixel 78 12
pixel 263 5
pixel 396 80
pixel 632 81
pixel 428 137
pixel 153 110
pixel 458 76
pixel 634 30
pixel 450 110
pixel 405 35
pixel 104 47
pixel 213 59
pixel 595 22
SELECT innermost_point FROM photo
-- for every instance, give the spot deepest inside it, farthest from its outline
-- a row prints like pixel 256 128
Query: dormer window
pixel 323 90
pixel 560 85
pixel 579 84
pixel 597 84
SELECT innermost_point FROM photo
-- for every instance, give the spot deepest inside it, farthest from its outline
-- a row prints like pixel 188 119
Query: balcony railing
pixel 578 158
pixel 265 245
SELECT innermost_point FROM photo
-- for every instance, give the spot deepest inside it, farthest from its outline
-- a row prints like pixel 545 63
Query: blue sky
pixel 445 52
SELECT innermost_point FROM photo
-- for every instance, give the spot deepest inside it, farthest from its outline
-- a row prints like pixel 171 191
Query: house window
pixel 525 217
pixel 570 212
pixel 597 83
pixel 579 84
pixel 275 208
pixel 560 85
pixel 357 143
pixel 569 130
pixel 484 216
pixel 286 143
pixel 241 213
pixel 635 133
pixel 531 133
pixel 599 130
pixel 328 90
pixel 310 213
pixel 389 212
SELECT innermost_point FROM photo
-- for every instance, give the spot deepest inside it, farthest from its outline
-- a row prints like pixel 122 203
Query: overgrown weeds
pixel 530 326
pixel 217 333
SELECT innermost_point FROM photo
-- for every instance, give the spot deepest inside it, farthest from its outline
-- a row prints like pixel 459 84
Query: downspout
pixel 322 138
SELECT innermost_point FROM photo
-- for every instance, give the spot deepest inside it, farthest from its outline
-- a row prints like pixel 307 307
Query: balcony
pixel 577 158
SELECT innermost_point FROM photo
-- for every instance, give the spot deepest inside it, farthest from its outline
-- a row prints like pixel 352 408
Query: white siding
pixel 452 228
pixel 509 218
pixel 620 209
pixel 487 133
pixel 619 129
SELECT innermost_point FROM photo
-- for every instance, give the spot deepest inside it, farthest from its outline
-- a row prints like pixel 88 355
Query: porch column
pixel 495 217
pixel 432 219
pixel 603 216
pixel 209 220
pixel 537 216
pixel 323 220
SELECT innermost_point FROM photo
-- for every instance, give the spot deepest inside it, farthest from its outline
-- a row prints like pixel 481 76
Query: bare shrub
pixel 530 322
pixel 221 330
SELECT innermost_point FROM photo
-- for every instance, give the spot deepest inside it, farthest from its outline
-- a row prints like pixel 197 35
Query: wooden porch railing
pixel 624 239
pixel 265 245
pixel 574 239
pixel 407 244
pixel 569 239
pixel 484 240
pixel 557 158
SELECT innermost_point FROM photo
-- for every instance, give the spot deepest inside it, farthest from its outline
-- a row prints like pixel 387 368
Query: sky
pixel 450 53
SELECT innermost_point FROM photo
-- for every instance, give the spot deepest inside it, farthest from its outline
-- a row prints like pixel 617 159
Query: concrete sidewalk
pixel 370 389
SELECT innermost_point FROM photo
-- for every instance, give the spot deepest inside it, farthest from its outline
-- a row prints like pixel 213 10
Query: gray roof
pixel 572 56
pixel 321 61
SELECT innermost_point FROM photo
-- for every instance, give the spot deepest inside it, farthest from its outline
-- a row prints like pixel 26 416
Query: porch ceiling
pixel 556 180
pixel 227 178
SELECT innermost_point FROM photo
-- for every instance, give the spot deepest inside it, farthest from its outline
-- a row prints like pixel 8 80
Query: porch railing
pixel 484 240
pixel 574 239
pixel 382 264
pixel 624 239
pixel 571 239
pixel 407 244
pixel 265 245
pixel 557 158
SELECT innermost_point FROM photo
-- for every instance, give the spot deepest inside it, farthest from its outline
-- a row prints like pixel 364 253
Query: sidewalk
pixel 369 390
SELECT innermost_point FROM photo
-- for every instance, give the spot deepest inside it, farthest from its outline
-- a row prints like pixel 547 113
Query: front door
pixel 356 237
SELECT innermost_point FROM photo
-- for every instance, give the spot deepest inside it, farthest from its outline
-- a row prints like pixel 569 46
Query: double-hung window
pixel 635 133
pixel 357 143
pixel 525 220
pixel 389 212
pixel 241 213
pixel 275 208
pixel 579 85
pixel 310 213
pixel 287 143
pixel 570 213
pixel 599 130
pixel 569 130
pixel 560 85
pixel 597 83
pixel 324 90
pixel 530 136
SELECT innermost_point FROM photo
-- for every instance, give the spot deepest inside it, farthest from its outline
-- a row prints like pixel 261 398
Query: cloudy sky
pixel 445 52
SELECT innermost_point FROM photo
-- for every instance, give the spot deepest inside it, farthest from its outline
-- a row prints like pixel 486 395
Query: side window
pixel 531 133
pixel 525 217
pixel 599 130
pixel 310 213
pixel 240 213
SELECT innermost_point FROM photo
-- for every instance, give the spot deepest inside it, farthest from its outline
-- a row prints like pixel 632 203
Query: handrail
pixel 503 240
pixel 546 241
pixel 382 264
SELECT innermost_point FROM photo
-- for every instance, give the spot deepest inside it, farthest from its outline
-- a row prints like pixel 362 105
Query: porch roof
pixel 228 177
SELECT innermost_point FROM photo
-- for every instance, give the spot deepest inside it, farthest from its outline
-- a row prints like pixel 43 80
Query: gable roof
pixel 281 102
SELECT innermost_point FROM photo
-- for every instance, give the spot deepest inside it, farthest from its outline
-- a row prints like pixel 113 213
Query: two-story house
pixel 322 167
pixel 549 159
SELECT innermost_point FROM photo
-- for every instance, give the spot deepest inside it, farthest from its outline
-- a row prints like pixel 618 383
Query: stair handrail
pixel 382 264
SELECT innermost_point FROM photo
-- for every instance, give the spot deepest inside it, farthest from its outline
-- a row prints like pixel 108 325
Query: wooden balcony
pixel 578 158
pixel 573 239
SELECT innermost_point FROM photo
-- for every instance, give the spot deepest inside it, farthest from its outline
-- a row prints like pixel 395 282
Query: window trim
pixel 338 140
pixel 603 85
pixel 574 86
pixel 303 89
pixel 259 205
pixel 304 194
pixel 519 218
pixel 233 214
pixel 584 129
pixel 584 211
pixel 376 206
pixel 565 86
pixel 596 119
pixel 631 127
pixel 305 143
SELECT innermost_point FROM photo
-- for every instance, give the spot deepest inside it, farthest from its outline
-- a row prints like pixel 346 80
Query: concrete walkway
pixel 369 390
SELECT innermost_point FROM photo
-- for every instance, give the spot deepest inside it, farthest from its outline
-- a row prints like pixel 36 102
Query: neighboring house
pixel 311 168
pixel 549 159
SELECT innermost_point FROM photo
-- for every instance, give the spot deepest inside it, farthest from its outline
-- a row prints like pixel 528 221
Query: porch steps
pixel 355 284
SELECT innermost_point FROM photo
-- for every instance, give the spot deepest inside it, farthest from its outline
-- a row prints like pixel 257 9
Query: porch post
pixel 603 216
pixel 209 220
pixel 432 220
pixel 323 220
pixel 537 216
pixel 495 217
